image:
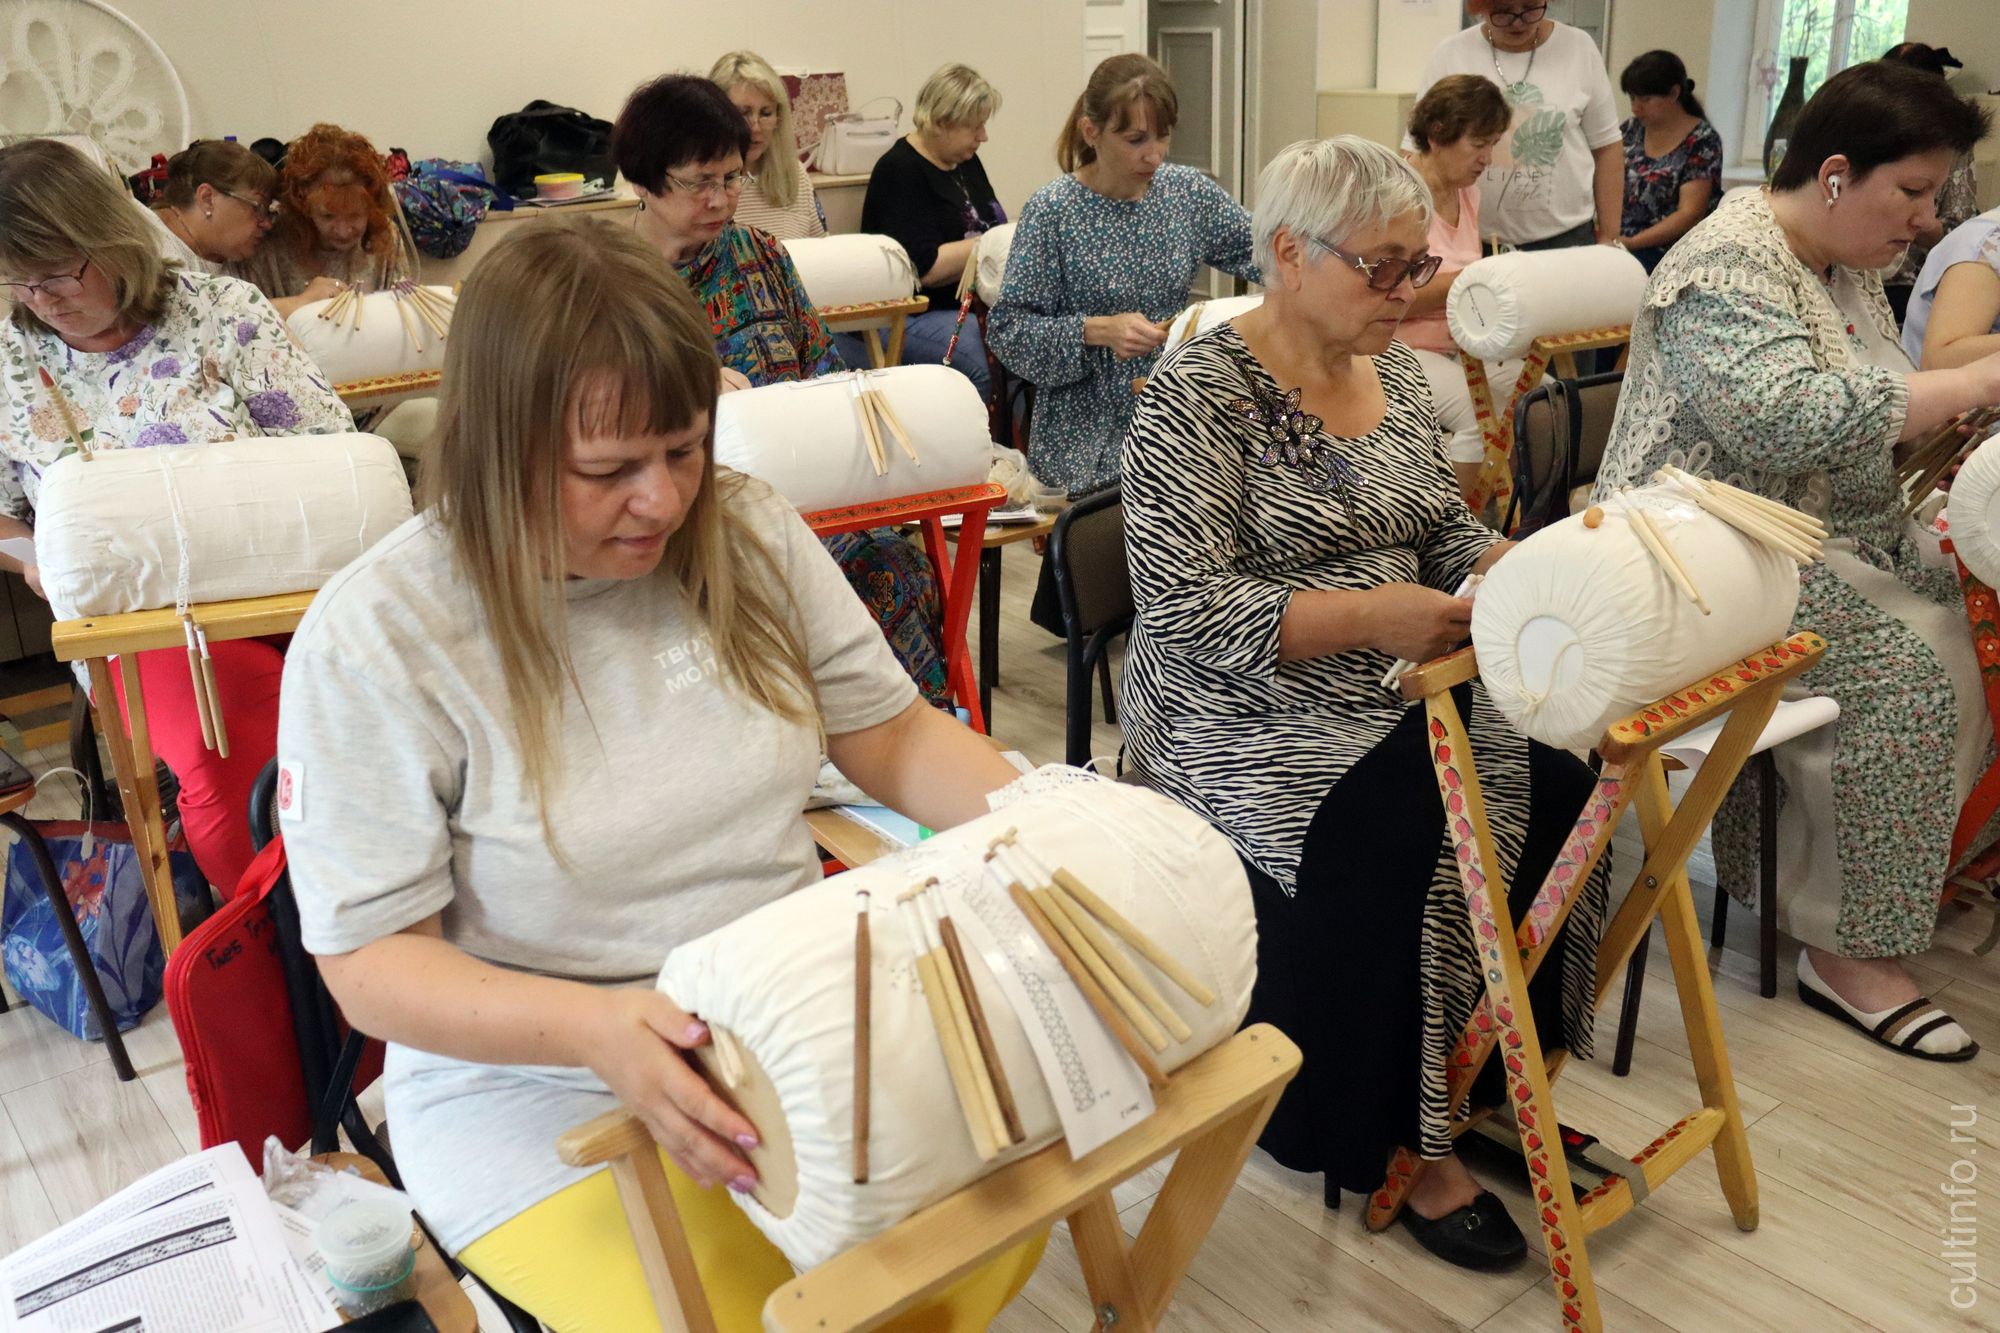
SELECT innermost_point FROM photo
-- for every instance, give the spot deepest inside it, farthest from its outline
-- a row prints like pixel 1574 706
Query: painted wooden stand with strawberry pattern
pixel 1981 873
pixel 1496 427
pixel 1744 694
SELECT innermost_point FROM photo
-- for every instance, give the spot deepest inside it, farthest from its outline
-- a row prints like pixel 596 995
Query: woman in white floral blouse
pixel 147 355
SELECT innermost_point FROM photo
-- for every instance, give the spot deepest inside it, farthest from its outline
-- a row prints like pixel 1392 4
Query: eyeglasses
pixel 709 185
pixel 1385 274
pixel 62 285
pixel 1519 18
pixel 262 207
pixel 762 113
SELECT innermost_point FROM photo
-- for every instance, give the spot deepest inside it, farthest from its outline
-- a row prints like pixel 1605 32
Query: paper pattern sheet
pixel 195 1247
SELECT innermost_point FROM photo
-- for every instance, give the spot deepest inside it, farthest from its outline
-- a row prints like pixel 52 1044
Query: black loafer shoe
pixel 1480 1235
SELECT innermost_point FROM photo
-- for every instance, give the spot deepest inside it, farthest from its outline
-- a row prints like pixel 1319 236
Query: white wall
pixel 1969 28
pixel 1683 27
pixel 1346 44
pixel 431 77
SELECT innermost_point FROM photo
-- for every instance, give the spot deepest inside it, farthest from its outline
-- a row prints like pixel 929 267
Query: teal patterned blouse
pixel 764 323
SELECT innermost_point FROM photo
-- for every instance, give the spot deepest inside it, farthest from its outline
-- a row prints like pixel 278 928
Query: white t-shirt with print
pixel 1540 182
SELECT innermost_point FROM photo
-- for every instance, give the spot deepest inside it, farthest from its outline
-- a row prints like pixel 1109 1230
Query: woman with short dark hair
pixel 681 142
pixel 1766 351
pixel 1673 157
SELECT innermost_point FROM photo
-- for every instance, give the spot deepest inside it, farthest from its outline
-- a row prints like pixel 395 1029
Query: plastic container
pixel 370 1257
pixel 559 185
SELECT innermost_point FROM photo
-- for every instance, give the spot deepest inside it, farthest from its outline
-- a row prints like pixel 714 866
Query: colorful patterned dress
pixel 1317 772
pixel 1794 387
pixel 766 328
pixel 216 365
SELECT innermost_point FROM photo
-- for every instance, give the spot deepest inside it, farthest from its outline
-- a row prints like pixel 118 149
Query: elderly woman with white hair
pixel 1293 527
pixel 930 192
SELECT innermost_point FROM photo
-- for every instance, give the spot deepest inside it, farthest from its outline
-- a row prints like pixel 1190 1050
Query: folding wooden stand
pixel 956 586
pixel 1211 1111
pixel 99 639
pixel 1745 694
pixel 1496 426
pixel 1980 874
pixel 871 319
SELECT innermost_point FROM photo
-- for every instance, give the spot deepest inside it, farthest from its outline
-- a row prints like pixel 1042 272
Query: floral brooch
pixel 1290 439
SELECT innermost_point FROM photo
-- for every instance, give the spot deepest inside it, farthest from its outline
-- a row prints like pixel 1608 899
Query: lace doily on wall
pixel 81 67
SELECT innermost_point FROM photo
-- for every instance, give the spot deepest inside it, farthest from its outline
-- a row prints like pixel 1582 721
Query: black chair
pixel 1094 589
pixel 327 1057
pixel 1560 430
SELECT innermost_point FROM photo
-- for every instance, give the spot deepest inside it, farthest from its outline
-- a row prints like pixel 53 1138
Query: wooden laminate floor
pixel 1851 1143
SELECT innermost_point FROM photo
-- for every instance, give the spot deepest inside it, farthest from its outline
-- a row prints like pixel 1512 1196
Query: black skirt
pixel 1339 963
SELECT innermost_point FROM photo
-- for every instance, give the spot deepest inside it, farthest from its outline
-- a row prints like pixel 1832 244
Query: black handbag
pixel 542 139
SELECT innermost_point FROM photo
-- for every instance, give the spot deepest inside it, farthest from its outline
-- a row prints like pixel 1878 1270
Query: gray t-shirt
pixel 678 811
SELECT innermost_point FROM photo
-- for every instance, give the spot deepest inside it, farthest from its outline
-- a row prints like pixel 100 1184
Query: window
pixel 1831 34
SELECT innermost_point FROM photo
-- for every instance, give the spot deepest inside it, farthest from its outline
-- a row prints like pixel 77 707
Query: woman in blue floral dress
pixel 1102 258
pixel 1766 352
pixel 145 355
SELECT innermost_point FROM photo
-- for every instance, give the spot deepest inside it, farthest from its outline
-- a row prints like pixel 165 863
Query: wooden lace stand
pixel 1744 695
pixel 1496 427
pixel 97 642
pixel 1982 871
pixel 871 319
pixel 1211 1111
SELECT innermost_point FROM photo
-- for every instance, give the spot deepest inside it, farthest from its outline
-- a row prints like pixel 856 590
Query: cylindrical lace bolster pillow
pixel 1499 305
pixel 244 518
pixel 808 440
pixel 1578 626
pixel 994 245
pixel 852 270
pixel 1973 512
pixel 393 336
pixel 1203 316
pixel 780 984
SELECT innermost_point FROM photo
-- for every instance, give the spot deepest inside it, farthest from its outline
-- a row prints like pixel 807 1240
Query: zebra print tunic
pixel 1217 541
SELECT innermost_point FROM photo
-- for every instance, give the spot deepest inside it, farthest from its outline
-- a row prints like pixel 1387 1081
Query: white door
pixel 1111 27
pixel 1200 45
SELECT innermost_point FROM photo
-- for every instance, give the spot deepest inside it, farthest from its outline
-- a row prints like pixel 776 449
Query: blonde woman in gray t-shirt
pixel 556 724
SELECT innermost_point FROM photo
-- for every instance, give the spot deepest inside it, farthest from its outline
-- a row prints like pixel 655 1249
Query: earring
pixel 210 215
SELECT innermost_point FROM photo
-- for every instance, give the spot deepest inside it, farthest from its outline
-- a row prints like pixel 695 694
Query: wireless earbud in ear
pixel 1833 186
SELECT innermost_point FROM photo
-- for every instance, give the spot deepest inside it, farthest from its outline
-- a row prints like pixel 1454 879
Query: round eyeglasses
pixel 56 288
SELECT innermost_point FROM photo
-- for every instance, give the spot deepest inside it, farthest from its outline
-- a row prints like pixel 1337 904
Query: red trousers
pixel 215 792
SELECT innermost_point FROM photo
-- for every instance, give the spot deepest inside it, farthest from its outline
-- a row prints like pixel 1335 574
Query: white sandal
pixel 1918 1028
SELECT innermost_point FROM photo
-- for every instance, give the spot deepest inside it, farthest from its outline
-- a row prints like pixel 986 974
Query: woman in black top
pixel 930 192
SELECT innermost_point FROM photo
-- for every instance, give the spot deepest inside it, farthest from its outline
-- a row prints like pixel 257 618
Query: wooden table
pixel 95 641
pixel 870 319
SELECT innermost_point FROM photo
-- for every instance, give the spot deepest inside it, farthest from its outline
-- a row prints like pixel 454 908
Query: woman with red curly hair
pixel 338 223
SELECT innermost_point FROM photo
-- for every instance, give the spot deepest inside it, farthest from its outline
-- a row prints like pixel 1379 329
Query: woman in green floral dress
pixel 1766 353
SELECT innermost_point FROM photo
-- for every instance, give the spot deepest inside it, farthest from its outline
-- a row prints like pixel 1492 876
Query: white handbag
pixel 850 142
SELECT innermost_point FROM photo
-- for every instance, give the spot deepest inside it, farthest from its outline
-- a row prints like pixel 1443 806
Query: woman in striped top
pixel 778 196
pixel 1280 563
